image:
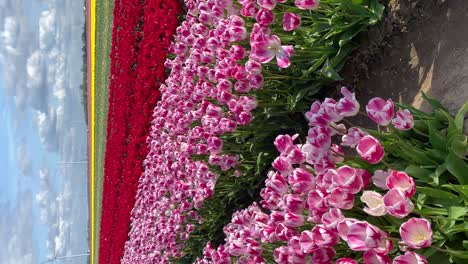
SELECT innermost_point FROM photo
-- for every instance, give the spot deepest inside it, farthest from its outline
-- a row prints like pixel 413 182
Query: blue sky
pixel 42 123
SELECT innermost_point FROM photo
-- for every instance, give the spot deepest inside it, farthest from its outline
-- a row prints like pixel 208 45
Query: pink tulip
pixel 380 111
pixel 301 181
pixel 374 203
pixel 294 203
pixel 284 232
pixel 281 255
pixel 265 17
pixel 277 183
pixel 348 105
pixel 397 204
pixel 249 9
pixel 307 242
pixel 363 236
pixel 319 137
pixel 403 120
pixel 370 150
pixel 237 52
pixel 296 156
pixel 341 199
pixel 253 67
pixel 331 218
pixel 343 227
pixel 372 257
pixel 380 179
pixel 293 220
pixel 346 261
pixel 282 165
pixel 324 237
pixel 401 181
pixel 323 255
pixel 416 233
pixel 316 115
pixel 410 258
pixel 307 4
pixel 291 21
pixel 347 179
pixel 267 4
pixel 256 81
pixel 284 143
pixel 316 200
pixel 271 47
pixel 351 139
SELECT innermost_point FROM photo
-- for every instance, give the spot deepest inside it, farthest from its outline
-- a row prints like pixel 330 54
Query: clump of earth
pixel 419 46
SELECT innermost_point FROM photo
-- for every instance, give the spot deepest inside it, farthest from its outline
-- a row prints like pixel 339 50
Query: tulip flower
pixel 267 4
pixel 293 219
pixel 282 165
pixel 307 4
pixel 374 203
pixel 331 218
pixel 380 179
pixel 291 21
pixel 284 142
pixel 323 255
pixel 380 111
pixel 363 236
pixel 341 199
pixel 294 203
pixel 277 183
pixel 316 200
pixel 324 237
pixel 348 105
pixel 397 204
pixel 301 181
pixel 372 257
pixel 416 233
pixel 347 179
pixel 271 47
pixel 370 150
pixel 343 227
pixel 403 120
pixel 307 242
pixel 410 258
pixel 351 139
pixel 265 17
pixel 346 261
pixel 401 181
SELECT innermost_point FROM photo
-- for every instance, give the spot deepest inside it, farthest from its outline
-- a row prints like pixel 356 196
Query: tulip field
pixel 230 139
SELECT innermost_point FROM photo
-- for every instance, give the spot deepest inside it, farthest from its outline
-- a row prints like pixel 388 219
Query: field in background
pixel 104 18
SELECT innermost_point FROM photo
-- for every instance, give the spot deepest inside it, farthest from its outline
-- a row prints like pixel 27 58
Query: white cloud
pixel 47 29
pixel 9 35
pixel 47 128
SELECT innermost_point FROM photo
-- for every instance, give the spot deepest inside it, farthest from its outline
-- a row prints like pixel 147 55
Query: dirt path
pixel 420 46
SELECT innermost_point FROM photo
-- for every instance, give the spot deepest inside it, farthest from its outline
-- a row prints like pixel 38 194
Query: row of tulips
pixel 313 202
pixel 219 69
pixel 137 70
pixel 123 56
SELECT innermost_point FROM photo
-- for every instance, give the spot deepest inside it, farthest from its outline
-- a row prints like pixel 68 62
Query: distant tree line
pixel 84 69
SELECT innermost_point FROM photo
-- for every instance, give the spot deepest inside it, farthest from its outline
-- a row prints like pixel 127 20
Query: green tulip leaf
pixel 457 167
pixel 460 117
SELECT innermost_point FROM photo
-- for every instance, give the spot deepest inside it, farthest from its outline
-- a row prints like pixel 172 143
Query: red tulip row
pixel 141 34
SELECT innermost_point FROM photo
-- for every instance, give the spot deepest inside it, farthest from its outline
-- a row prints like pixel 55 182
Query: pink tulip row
pixel 202 99
pixel 306 198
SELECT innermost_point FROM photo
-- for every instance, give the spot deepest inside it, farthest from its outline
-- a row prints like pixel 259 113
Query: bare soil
pixel 420 45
